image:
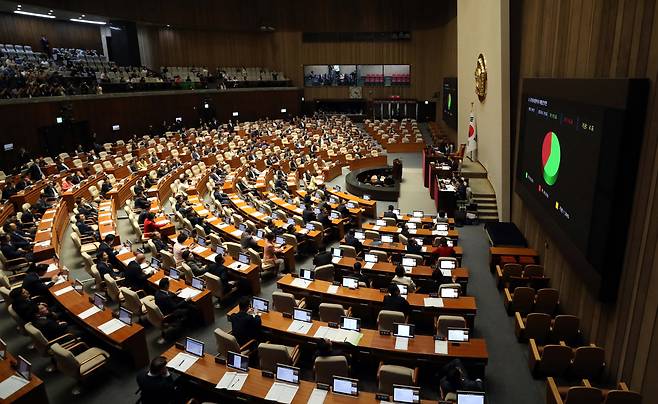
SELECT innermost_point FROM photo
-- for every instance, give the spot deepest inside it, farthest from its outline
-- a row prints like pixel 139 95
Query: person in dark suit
pixel 178 311
pixel 46 322
pixel 156 385
pixel 350 239
pixel 106 246
pixel 245 325
pixel 19 238
pixel 103 265
pixel 389 212
pixel 218 269
pixel 394 302
pixel 160 245
pixel 323 217
pixel 141 202
pixel 25 307
pixel 342 209
pixel 85 229
pixel 357 272
pixel 457 378
pixel 135 277
pixel 35 282
pixel 413 247
pixel 9 250
pixel 41 205
pixel 35 171
pixel 247 240
pixel 105 188
pixel 308 215
pixel 323 257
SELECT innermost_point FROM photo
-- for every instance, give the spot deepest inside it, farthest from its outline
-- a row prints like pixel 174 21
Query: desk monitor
pixel 306 273
pixel 447 264
pixel 351 283
pixel 302 315
pixel 406 394
pixel 450 242
pixel 317 211
pixel 78 286
pixel 220 250
pixel 290 221
pixel 449 293
pixel 237 361
pixel 410 225
pixel 387 238
pixel 155 263
pixel 243 258
pixel 125 316
pixel 344 385
pixel 408 262
pixel 3 349
pixel 198 283
pixel 289 374
pixel 99 301
pixel 370 258
pixel 458 334
pixel 193 346
pixel 351 205
pixel 397 212
pixel 470 397
pixel 309 227
pixel 359 235
pixel 334 215
pixel 419 241
pixel 24 368
pixel 201 241
pixel 174 273
pixel 291 201
pixel 261 305
pixel 280 240
pixel 333 200
pixel 260 233
pixel 350 323
pixel 380 222
pixel 403 330
pixel 366 197
pixel 404 289
pixel 442 226
pixel 336 252
pixel 337 188
pixel 242 227
pixel 418 213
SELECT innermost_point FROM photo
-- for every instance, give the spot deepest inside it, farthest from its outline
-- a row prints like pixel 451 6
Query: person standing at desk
pixel 394 302
pixel 245 324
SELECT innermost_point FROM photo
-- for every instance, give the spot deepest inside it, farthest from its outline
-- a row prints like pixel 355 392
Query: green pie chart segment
pixel 550 157
pixel 449 101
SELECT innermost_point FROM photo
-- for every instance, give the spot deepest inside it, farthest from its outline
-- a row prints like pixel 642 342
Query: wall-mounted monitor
pixel 579 143
pixel 59 119
pixel 450 101
pixel 329 75
pixel 115 127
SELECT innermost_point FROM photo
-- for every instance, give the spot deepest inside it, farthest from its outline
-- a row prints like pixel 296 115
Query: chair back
pixel 381 255
pixel 326 367
pixel 403 239
pixel 445 322
pixel 98 280
pixel 233 249
pixel 324 273
pixel 40 342
pixel 583 395
pixel 187 272
pixel 348 251
pixel 415 257
pixel 132 301
pixel 17 319
pixel 283 302
pixel 272 354
pixel 533 271
pixel 168 259
pixel 331 312
pixel 588 362
pixel 66 361
pixel 555 360
pixel 386 319
pixel 523 300
pixel 372 235
pixel 565 328
pixel 393 374
pixel 546 301
pixel 537 326
pixel 225 343
pixel 622 397
pixel 153 313
pixel 113 291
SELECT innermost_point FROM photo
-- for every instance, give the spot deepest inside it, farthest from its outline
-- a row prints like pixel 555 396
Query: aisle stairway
pixel 483 193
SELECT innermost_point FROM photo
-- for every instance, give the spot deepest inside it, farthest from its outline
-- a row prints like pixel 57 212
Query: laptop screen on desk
pixel 470 397
pixel 99 301
pixel 458 334
pixel 201 241
pixel 450 293
pixel 351 283
pixel 307 274
pixel 220 250
pixel 193 346
pixel 387 239
pixel 447 264
pixel 288 374
pixel 380 222
pixel 280 240
pixel 155 263
pixel 442 227
pixel 243 258
pixel 336 252
pixel 406 394
pixel 198 283
pixel 125 316
pixel 302 315
pixel 408 262
pixel 418 213
pixel 259 304
pixel 350 323
pixel 237 361
pixel 344 385
pixel 174 274
pixel 24 368
pixel 403 330
pixel 359 235
pixel 370 258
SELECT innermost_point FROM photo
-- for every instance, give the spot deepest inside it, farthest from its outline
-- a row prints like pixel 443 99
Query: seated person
pixel 218 269
pixel 269 253
pixel 245 324
pixel 19 238
pixel 443 250
pixel 106 246
pixel 141 202
pixel 402 279
pixel 85 229
pixel 326 348
pixel 104 266
pixel 41 206
pixel 188 259
pixel 350 239
pixel 135 277
pixel 179 247
pixel 390 213
pixel 456 379
pixel 323 217
pixel 159 244
pixel 178 312
pixel 105 188
pixel 357 272
pixel 394 302
pixel 157 386
pixel 247 240
pixel 46 322
pixel 307 214
pixel 23 305
pixel 323 257
pixel 35 281
pixel 150 226
pixel 413 247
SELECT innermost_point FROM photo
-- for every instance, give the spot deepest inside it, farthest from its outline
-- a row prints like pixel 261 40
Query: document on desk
pixel 238 266
pixel 401 343
pixel 441 347
pixel 282 392
pixel 369 265
pixel 89 312
pixel 63 290
pixel 414 220
pixel 211 257
pixel 11 385
pixel 222 225
pixel 111 326
pixel 300 327
pixel 439 233
pixel 182 361
pixel 42 244
pixel 104 222
pixel 202 212
pixel 232 381
pixel 162 222
pixel 317 396
pixel 412 231
pixel 335 260
pixel 446 272
pixel 433 302
pixel 333 289
pixel 188 292
pixel 236 233
pixel 300 283
pixel 376 227
pixel 198 249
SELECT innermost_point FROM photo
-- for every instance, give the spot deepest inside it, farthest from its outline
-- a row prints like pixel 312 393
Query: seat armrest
pixel 79 345
pixel 61 339
pixel 414 377
pixel 552 392
pixel 508 299
pixel 533 357
pixel 348 312
pixel 586 383
pixel 249 345
pixel 93 357
pixel 295 355
pixel 302 303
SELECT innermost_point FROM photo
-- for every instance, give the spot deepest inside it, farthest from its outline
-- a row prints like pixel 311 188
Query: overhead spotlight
pixel 83 16
pixel 33 14
pixel 426 102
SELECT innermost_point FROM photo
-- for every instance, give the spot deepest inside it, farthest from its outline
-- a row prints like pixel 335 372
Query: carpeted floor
pixel 507 377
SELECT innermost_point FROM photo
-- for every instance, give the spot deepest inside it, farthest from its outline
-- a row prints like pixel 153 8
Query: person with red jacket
pixel 149 224
pixel 443 250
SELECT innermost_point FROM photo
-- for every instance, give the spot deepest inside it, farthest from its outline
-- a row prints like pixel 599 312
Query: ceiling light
pixel 87 21
pixel 83 16
pixel 34 14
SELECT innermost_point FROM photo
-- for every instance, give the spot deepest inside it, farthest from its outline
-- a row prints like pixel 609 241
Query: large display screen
pixel 450 101
pixel 576 168
pixel 357 75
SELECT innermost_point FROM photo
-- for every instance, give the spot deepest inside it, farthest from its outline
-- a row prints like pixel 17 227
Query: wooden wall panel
pixel 593 39
pixel 21 30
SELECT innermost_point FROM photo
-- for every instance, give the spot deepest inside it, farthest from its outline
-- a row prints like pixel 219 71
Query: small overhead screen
pixel 116 127
pixel 450 101
pixel 576 168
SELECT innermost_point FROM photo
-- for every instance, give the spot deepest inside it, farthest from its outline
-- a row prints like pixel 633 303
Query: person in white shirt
pixel 179 247
pixel 403 280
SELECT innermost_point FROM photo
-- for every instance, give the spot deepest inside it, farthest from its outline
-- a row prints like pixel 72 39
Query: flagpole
pixel 469 138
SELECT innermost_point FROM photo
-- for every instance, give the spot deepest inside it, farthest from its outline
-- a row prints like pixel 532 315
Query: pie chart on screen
pixel 550 157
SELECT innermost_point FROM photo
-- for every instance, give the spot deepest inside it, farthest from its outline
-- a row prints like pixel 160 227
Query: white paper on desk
pixel 42 244
pixel 63 290
pixel 408 270
pixel 89 312
pixel 162 222
pixel 376 227
pixel 232 381
pixel 11 385
pixel 188 292
pixel 43 230
pixel 433 302
pixel 440 347
pixel 182 361
pixel 123 250
pixel 282 392
pixel 106 222
pixel 128 261
pixel 412 231
pixel 112 325
pixel 236 233
pixel 335 260
pixel 446 272
pixel 211 257
pixel 52 267
pixel 333 289
pixel 369 265
pixel 46 220
pixel 401 343
pixel 199 249
pixel 414 220
pixel 317 396
pixel 439 232
pixel 202 212
pixel 300 283
pixel 60 279
pixel 222 225
pixel 238 266
pixel 300 327
pixel 302 231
